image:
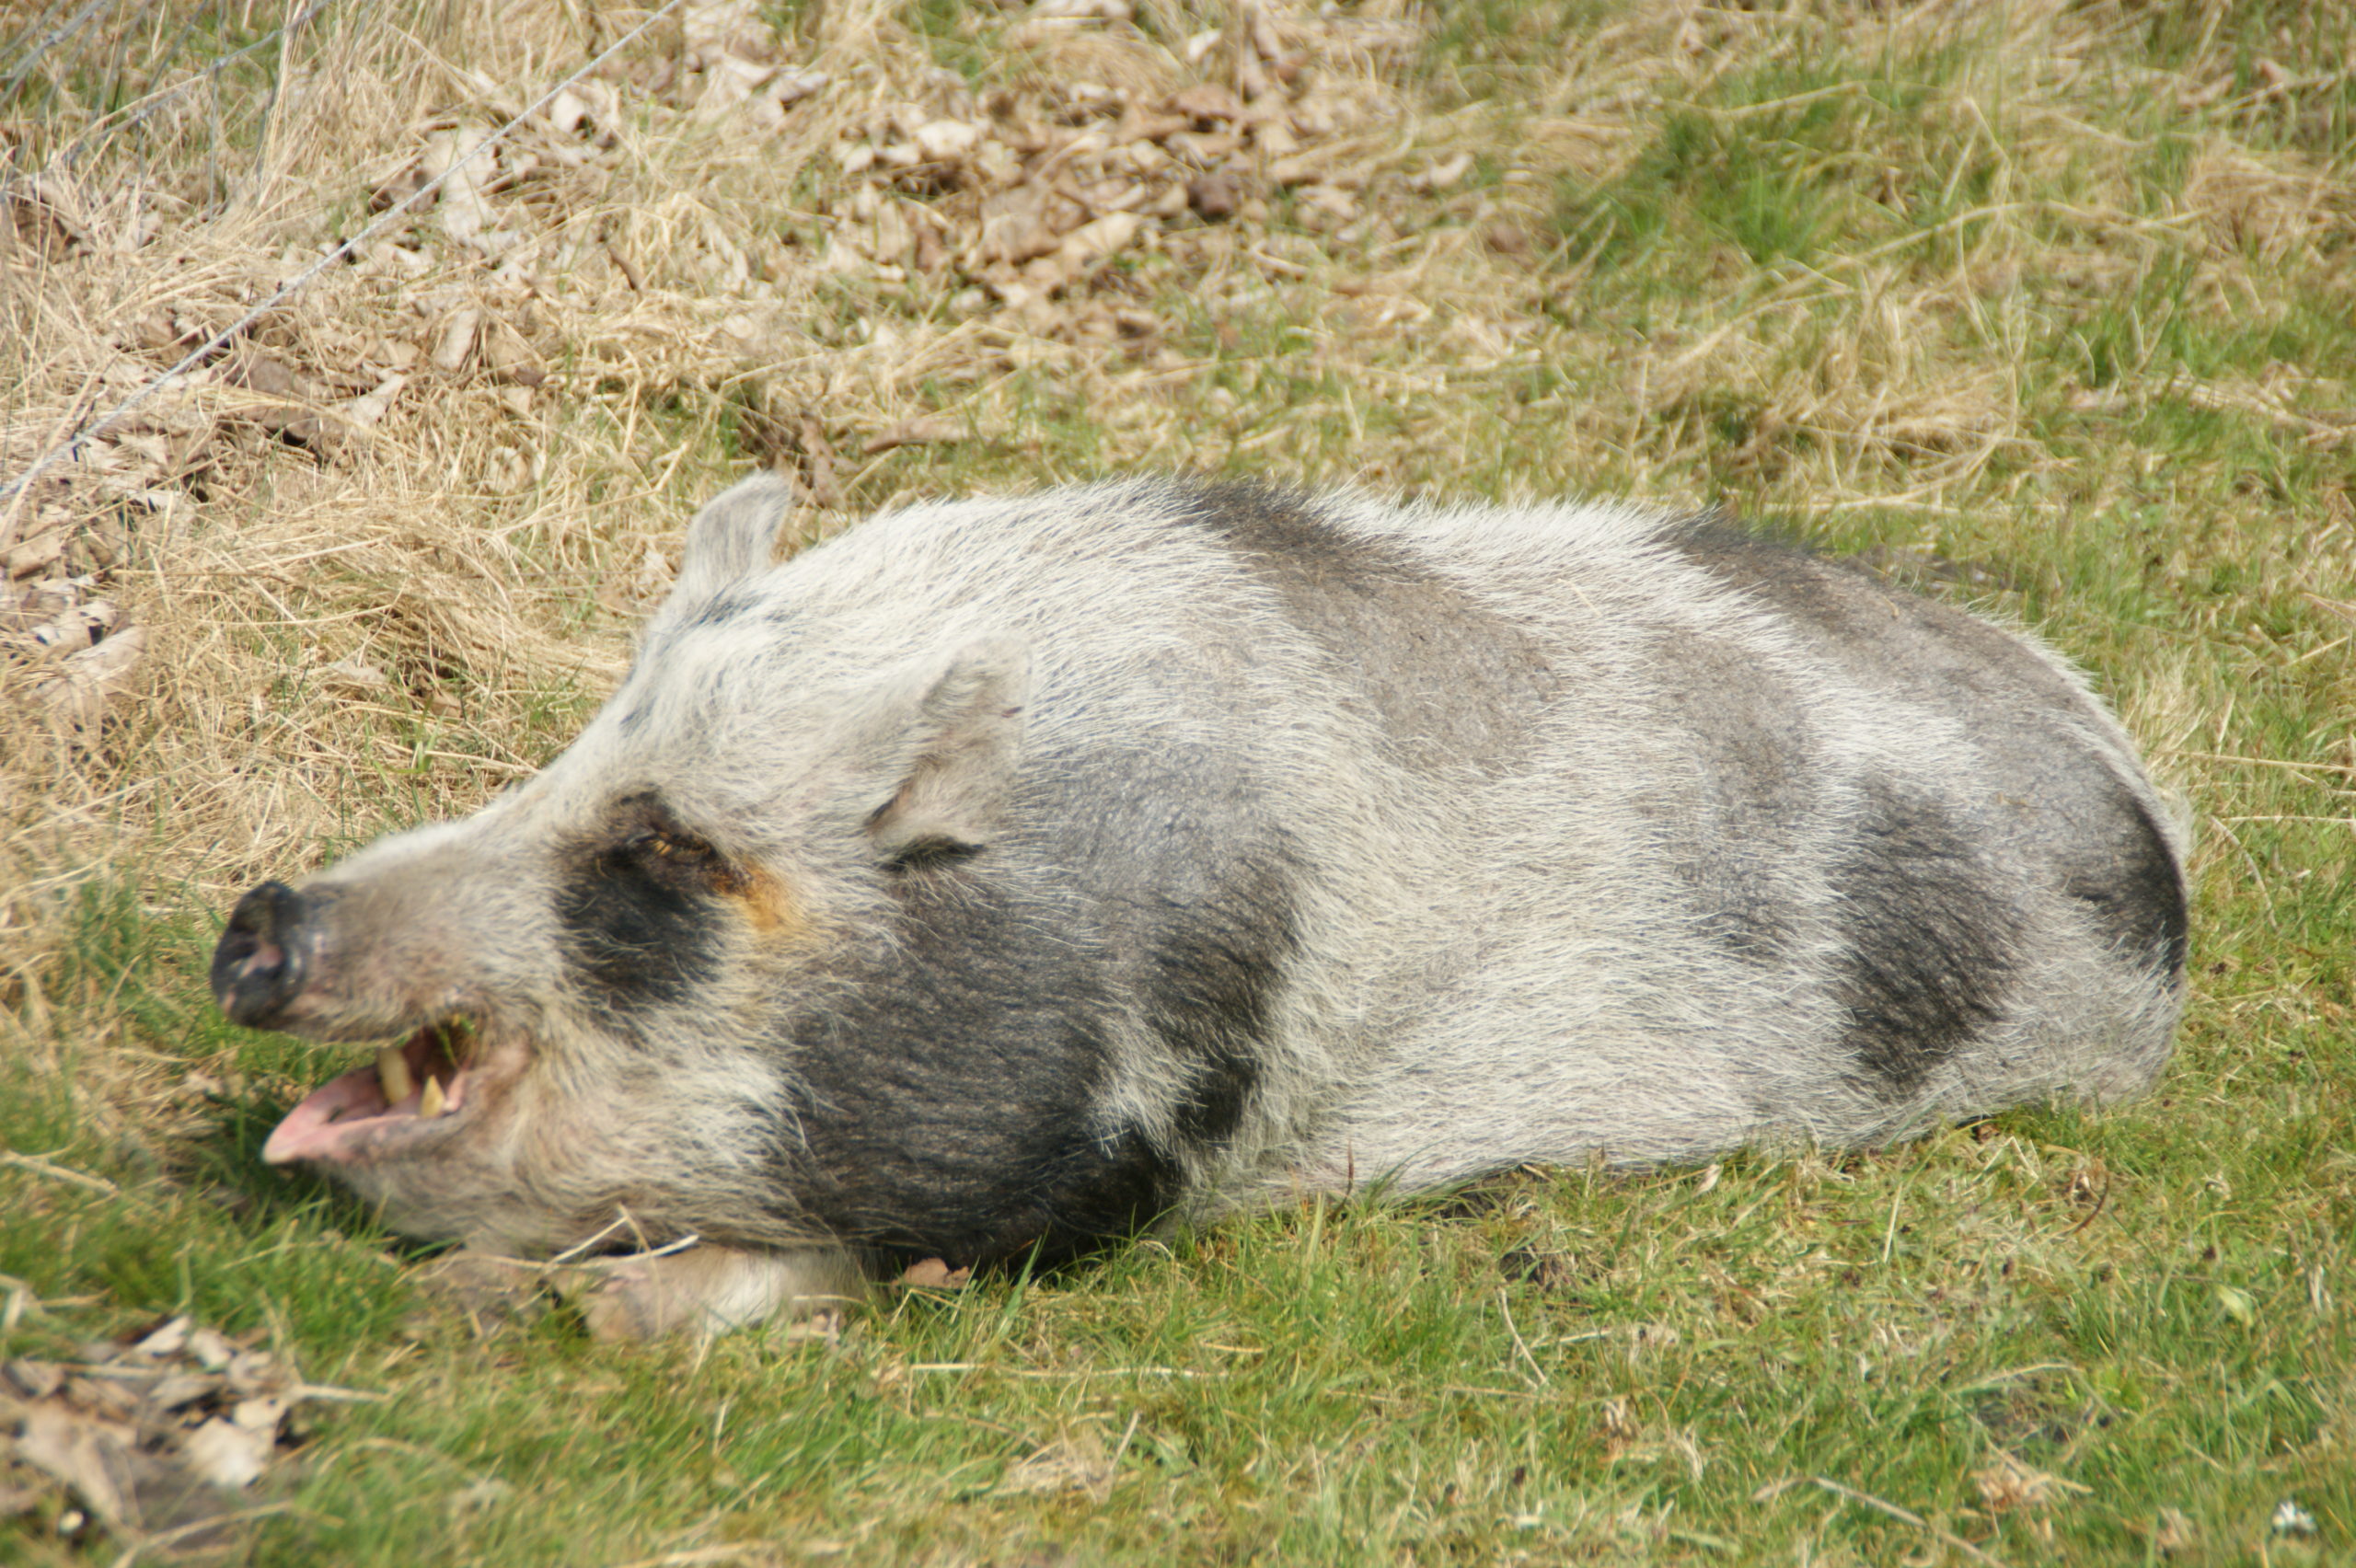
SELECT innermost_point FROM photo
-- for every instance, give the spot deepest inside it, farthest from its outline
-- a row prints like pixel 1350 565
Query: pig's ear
pixel 734 537
pixel 951 766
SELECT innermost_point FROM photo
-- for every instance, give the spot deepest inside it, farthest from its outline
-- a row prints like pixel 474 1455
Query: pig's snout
pixel 264 957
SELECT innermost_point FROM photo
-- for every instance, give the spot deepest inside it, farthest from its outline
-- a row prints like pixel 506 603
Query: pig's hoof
pixel 710 1290
pixel 630 1300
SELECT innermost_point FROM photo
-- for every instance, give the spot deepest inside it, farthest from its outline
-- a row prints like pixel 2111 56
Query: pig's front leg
pixel 710 1290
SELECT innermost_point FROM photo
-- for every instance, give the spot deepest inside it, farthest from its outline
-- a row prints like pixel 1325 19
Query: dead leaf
pixel 36 1380
pixel 511 356
pixel 1214 196
pixel 87 1456
pixel 1015 224
pixel 356 675
pixel 400 188
pixel 464 214
pixel 79 691
pixel 367 411
pixel 228 1454
pixel 167 1338
pixel 1442 175
pixel 943 140
pixel 456 340
pixel 37 553
pixel 933 1273
pixel 285 401
pixel 1083 248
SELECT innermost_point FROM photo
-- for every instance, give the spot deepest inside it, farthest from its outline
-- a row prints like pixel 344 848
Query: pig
pixel 1001 877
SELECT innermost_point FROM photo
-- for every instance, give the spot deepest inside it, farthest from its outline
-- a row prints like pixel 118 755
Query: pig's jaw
pixel 383 1109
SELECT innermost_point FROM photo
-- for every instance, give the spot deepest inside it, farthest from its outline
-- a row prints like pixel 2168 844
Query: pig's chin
pixel 441 1076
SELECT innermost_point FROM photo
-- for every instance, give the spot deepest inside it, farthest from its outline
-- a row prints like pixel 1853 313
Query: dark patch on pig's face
pixel 635 908
pixel 1449 680
pixel 1929 938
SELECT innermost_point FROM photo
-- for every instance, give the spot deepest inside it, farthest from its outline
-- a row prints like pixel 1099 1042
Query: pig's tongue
pixel 324 1126
pixel 338 1119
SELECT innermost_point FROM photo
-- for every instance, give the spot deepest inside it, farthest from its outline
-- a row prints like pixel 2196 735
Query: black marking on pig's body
pixel 2063 803
pixel 1929 938
pixel 2128 879
pixel 1750 781
pixel 1214 973
pixel 947 1089
pixel 956 1086
pixel 1450 680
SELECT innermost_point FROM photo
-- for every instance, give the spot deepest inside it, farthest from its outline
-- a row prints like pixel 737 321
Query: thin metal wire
pixel 79 20
pixel 75 148
pixel 302 280
pixel 30 38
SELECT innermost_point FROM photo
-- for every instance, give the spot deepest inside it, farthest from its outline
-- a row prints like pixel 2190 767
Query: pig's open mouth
pixel 411 1090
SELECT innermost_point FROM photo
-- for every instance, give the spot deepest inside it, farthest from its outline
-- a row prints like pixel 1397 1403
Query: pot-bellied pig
pixel 998 877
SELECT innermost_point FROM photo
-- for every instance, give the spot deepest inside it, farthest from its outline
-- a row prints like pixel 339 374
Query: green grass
pixel 1936 320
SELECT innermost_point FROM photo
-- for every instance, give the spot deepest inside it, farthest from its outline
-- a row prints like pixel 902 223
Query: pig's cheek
pixel 773 917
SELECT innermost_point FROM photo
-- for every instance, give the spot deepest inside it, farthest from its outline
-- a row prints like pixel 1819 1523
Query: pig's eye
pixel 677 847
pixel 680 859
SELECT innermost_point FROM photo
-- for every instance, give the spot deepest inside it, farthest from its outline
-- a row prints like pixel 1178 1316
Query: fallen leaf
pixel 1214 196
pixel 79 691
pixel 354 674
pixel 228 1454
pixel 456 340
pixel 2008 1484
pixel 933 1273
pixel 367 411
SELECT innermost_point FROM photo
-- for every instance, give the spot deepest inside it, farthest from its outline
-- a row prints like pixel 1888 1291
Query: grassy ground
pixel 2047 306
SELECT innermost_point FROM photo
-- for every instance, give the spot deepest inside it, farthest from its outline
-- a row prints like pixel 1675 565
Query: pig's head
pixel 585 998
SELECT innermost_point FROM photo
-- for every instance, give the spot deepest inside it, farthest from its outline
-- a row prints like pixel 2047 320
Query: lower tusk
pixel 432 1103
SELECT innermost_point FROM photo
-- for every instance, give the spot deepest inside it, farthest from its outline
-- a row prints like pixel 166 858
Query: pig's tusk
pixel 392 1074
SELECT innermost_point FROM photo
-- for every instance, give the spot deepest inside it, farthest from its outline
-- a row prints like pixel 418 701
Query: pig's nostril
pixel 260 966
pixel 261 963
